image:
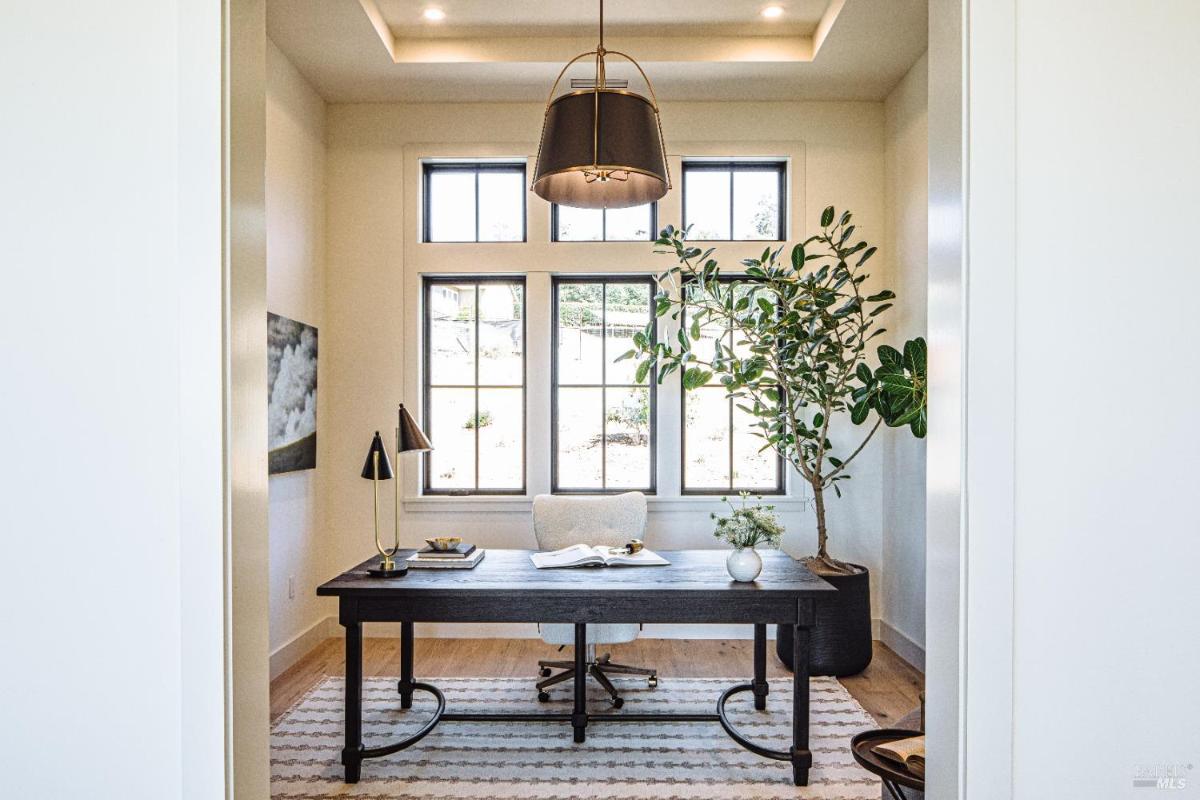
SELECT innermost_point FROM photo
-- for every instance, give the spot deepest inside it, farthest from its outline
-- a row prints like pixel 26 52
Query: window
pixel 636 224
pixel 735 200
pixel 474 375
pixel 474 202
pixel 603 419
pixel 721 452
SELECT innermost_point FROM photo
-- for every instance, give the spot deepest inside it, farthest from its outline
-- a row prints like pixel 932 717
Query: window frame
pixel 428 283
pixel 780 488
pixel 428 167
pixel 734 165
pixel 603 228
pixel 556 282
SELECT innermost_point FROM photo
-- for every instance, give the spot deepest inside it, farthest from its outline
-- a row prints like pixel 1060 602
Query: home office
pixel 543 374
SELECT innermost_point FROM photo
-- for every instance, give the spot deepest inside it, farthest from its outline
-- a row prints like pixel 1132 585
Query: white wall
pixel 906 156
pixel 110 231
pixel 370 327
pixel 1107 444
pixel 295 214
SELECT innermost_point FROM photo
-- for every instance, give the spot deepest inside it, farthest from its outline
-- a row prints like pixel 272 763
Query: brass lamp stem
pixel 388 564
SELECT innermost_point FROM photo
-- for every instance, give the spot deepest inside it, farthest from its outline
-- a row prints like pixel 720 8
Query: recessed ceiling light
pixel 773 12
pixel 434 14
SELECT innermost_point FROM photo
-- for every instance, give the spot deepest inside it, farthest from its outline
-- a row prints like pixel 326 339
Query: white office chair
pixel 560 521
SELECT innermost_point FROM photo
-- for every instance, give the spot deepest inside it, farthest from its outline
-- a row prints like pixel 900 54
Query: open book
pixel 583 555
pixel 909 752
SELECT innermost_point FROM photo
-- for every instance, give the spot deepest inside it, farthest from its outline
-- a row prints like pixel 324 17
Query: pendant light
pixel 601 146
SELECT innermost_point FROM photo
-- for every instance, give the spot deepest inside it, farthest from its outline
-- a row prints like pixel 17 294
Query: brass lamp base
pixel 388 569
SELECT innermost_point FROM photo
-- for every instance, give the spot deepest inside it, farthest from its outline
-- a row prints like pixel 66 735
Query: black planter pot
pixel 841 637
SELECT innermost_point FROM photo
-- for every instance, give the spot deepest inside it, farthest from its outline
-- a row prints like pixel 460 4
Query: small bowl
pixel 444 543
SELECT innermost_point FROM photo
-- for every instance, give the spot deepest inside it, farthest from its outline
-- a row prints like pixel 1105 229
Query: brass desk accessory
pixel 376 469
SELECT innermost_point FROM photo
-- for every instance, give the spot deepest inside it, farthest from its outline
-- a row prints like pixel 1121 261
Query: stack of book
pixel 464 556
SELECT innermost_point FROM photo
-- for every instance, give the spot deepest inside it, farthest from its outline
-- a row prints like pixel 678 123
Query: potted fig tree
pixel 800 357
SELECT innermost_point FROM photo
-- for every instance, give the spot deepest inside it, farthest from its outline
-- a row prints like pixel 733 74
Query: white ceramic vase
pixel 744 564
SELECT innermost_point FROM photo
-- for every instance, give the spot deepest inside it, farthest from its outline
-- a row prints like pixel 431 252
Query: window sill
pixel 519 505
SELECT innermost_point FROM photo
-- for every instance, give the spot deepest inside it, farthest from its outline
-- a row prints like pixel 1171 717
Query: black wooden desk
pixel 506 587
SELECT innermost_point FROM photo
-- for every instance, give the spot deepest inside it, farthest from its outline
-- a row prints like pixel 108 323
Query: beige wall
pixel 906 151
pixel 370 331
pixel 295 209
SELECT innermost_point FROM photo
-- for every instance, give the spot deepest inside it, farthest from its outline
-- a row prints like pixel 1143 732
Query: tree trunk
pixel 822 536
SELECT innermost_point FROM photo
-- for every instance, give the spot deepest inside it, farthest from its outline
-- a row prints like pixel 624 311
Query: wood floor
pixel 888 688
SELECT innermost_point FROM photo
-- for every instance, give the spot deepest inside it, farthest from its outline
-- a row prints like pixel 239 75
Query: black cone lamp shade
pixel 601 147
pixel 410 437
pixel 384 465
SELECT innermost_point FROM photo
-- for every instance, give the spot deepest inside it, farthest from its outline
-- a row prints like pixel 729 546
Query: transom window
pixel 721 453
pixel 735 200
pixel 603 417
pixel 604 225
pixel 474 374
pixel 473 202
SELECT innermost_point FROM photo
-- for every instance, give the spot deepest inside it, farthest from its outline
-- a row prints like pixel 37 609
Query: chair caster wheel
pixel 618 702
pixel 543 697
pixel 544 672
pixel 652 681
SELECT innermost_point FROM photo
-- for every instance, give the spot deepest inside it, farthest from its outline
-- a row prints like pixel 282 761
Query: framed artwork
pixel 291 395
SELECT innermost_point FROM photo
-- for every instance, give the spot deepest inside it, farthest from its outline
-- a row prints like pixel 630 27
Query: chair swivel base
pixel 598 669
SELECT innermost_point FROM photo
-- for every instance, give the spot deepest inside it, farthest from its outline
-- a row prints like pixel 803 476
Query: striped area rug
pixel 524 761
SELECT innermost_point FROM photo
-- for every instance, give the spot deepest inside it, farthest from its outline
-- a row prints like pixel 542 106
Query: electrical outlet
pixel 291 587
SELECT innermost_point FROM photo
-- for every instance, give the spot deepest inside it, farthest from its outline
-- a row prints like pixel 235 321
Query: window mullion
pixel 603 384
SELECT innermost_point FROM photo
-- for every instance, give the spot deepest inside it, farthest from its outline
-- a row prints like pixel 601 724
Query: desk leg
pixel 352 752
pixel 760 668
pixel 801 756
pixel 579 713
pixel 406 665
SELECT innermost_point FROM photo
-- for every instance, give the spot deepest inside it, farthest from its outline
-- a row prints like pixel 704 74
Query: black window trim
pixel 780 487
pixel 603 227
pixel 652 385
pixel 476 167
pixel 779 166
pixel 428 283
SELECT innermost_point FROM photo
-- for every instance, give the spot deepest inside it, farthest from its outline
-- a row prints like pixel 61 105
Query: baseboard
pixel 301 645
pixel 902 645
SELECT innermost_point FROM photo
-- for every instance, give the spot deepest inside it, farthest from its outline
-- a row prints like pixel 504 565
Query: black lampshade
pixel 617 164
pixel 411 437
pixel 385 466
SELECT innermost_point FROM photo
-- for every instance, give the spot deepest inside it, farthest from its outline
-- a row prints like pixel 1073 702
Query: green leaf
pixel 766 305
pixel 858 414
pixel 642 370
pixel 915 352
pixel 627 354
pixel 798 257
pixel 886 294
pixel 889 355
pixel 869 252
pixel 827 217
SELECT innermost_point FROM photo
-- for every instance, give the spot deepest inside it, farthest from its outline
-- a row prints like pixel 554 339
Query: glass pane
pixel 756 205
pixel 628 434
pixel 501 206
pixel 751 469
pixel 706 204
pixel 628 311
pixel 451 416
pixel 501 438
pixel 706 439
pixel 451 206
pixel 628 224
pixel 451 334
pixel 580 414
pixel 501 334
pixel 580 224
pixel 580 309
pixel 706 347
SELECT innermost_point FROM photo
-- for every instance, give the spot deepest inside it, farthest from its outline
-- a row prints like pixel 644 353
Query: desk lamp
pixel 377 468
